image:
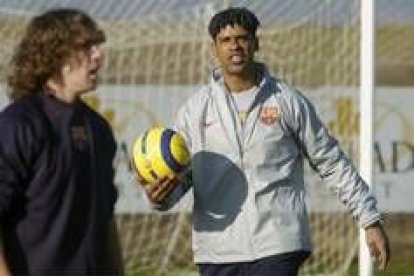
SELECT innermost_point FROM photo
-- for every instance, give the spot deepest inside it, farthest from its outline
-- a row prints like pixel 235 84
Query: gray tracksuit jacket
pixel 249 196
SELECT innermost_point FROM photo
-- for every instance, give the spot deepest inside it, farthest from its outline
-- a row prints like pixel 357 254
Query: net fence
pixel 158 54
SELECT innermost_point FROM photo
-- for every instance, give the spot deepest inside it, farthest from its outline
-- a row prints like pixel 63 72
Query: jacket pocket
pixel 275 157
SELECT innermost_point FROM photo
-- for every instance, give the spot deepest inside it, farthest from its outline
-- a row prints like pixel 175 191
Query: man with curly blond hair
pixel 57 192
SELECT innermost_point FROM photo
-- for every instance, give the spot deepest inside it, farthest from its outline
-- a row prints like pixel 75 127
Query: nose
pixel 97 53
pixel 234 44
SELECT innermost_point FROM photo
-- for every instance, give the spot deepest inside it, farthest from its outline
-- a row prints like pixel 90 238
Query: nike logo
pixel 207 124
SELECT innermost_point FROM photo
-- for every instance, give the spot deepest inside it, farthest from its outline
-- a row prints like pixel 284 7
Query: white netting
pixel 158 54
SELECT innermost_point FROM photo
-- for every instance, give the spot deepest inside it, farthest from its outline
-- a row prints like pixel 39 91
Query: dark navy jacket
pixel 56 187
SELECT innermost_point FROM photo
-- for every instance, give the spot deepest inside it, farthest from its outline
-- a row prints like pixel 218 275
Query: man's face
pixel 80 73
pixel 234 49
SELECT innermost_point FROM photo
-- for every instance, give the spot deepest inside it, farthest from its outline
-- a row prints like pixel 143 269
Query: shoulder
pixel 200 97
pixel 286 90
pixel 98 123
pixel 290 96
pixel 22 107
pixel 196 101
pixel 24 129
pixel 95 116
pixel 23 113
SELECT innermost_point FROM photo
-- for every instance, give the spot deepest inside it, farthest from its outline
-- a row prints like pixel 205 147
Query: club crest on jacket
pixel 269 115
pixel 79 137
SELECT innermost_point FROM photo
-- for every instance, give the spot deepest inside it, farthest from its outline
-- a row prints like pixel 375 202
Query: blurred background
pixel 158 54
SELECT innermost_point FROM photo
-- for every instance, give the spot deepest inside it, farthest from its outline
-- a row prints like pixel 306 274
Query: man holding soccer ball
pixel 248 134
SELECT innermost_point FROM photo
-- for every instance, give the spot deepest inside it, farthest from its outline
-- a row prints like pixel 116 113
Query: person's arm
pixel 327 158
pixel 16 152
pixel 338 172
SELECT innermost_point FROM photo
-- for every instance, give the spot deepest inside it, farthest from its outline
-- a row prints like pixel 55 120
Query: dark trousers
pixel 286 264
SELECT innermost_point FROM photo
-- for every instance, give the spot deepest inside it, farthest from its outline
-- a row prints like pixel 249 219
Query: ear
pixel 53 85
pixel 65 69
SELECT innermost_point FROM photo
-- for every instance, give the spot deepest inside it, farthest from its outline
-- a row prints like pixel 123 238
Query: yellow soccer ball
pixel 159 152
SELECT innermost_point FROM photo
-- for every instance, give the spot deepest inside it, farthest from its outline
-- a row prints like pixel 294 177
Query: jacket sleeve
pixel 327 158
pixel 105 151
pixel 16 147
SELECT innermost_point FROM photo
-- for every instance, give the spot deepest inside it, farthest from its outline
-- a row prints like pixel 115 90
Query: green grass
pixel 155 272
pixel 397 267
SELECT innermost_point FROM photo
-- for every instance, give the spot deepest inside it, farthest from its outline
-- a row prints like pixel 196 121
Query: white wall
pixel 133 109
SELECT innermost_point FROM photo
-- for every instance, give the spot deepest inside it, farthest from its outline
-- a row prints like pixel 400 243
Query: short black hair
pixel 232 16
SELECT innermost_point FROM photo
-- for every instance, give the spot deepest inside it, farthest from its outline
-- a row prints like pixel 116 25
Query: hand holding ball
pixel 159 152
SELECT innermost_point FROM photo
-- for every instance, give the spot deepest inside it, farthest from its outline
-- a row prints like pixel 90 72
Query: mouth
pixel 236 58
pixel 93 72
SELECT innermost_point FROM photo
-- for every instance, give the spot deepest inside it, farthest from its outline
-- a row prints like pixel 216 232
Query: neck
pixel 240 82
pixel 60 92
